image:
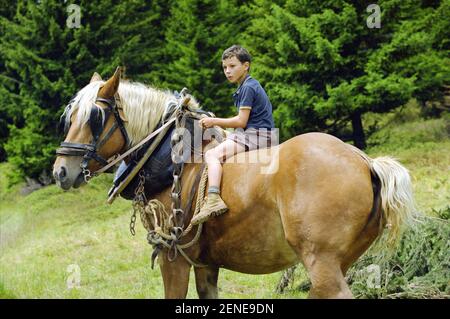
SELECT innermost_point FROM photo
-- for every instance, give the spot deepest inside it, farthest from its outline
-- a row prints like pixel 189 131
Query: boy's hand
pixel 206 122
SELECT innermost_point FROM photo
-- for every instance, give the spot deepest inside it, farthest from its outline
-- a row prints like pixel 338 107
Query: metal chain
pixel 173 227
pixel 176 219
pixel 139 201
pixel 178 166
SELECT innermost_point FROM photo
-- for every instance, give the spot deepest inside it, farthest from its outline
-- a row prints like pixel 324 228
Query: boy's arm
pixel 239 121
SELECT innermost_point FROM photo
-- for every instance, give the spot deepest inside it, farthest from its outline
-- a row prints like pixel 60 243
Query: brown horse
pixel 323 204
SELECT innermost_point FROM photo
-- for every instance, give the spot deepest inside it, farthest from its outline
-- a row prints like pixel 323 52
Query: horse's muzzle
pixel 63 180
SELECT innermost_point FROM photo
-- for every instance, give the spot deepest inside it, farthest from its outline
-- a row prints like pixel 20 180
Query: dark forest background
pixel 324 64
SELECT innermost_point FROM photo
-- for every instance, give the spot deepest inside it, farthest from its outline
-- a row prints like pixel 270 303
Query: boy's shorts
pixel 253 139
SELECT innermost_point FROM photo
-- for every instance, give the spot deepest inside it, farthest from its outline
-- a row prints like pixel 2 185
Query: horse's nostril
pixel 62 173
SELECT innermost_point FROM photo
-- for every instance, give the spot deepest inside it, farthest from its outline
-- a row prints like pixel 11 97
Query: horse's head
pixel 94 132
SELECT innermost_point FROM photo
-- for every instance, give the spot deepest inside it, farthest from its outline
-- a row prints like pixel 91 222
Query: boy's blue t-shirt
pixel 251 94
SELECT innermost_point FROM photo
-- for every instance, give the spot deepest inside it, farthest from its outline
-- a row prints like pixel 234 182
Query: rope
pixel 158 222
pixel 200 197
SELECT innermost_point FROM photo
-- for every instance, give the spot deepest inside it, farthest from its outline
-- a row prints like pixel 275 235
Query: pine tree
pixel 48 58
pixel 32 83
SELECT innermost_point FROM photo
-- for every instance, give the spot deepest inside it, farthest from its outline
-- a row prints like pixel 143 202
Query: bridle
pixel 89 151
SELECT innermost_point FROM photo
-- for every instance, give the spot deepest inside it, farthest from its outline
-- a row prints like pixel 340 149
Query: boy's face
pixel 235 70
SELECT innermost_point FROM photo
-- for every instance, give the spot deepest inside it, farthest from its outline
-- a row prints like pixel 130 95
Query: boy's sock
pixel 213 190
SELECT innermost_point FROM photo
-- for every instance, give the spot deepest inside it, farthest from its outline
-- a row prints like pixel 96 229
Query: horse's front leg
pixel 206 282
pixel 175 276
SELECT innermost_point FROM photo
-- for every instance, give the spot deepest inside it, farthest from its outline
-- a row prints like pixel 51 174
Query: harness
pixel 167 229
pixel 89 151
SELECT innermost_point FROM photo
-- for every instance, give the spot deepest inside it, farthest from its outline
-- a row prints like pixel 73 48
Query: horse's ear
pixel 110 88
pixel 95 77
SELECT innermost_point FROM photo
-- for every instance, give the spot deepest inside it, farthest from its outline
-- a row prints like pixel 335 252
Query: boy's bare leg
pixel 215 205
pixel 214 156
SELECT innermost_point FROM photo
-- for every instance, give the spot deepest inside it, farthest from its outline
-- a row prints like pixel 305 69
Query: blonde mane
pixel 143 107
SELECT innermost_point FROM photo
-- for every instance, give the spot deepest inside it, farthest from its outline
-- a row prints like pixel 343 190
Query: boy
pixel 255 116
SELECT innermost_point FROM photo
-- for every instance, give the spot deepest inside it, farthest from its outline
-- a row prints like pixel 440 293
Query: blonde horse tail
pixel 397 203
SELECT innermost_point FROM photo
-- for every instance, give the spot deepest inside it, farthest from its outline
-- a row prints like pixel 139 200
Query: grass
pixel 44 233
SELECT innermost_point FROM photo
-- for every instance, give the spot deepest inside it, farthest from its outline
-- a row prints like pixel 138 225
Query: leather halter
pixel 89 151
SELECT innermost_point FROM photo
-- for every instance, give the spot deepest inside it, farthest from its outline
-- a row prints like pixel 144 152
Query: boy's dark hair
pixel 239 52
